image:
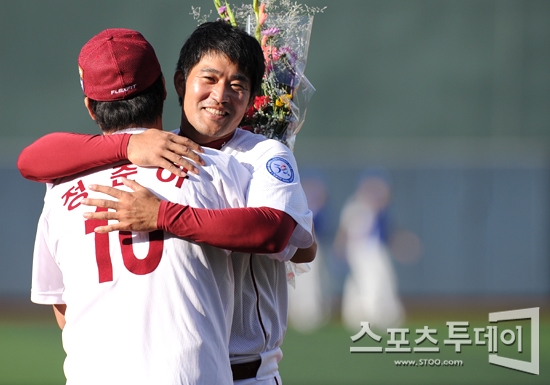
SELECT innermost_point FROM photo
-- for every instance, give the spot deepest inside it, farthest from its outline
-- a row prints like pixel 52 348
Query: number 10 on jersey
pixel 131 262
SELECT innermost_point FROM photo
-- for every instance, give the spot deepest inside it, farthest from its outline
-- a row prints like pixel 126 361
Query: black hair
pixel 220 37
pixel 141 110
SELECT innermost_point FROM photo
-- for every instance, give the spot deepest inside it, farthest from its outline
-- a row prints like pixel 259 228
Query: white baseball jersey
pixel 142 308
pixel 261 296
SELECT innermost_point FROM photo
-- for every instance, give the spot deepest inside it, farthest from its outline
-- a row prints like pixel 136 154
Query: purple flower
pixel 287 51
pixel 222 9
pixel 270 31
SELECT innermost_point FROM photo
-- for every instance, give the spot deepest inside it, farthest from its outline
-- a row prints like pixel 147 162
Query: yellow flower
pixel 283 100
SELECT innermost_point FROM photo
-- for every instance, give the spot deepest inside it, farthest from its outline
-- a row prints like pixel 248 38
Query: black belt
pixel 245 370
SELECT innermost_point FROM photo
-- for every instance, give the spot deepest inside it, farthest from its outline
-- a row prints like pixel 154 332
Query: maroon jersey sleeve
pixel 62 154
pixel 260 230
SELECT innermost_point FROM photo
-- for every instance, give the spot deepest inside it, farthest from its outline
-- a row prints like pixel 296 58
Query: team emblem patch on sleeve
pixel 281 169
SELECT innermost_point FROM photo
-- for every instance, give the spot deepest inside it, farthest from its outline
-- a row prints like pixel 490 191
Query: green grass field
pixel 324 357
pixel 31 354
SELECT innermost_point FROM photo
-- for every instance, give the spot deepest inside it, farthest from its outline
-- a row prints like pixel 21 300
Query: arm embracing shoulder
pixel 62 154
pixel 236 228
pixel 260 230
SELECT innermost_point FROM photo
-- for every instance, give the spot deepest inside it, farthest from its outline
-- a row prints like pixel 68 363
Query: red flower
pixel 250 113
pixel 260 102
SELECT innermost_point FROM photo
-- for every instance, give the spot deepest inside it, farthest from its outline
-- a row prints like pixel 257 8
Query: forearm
pixel 62 154
pixel 59 311
pixel 304 255
pixel 259 230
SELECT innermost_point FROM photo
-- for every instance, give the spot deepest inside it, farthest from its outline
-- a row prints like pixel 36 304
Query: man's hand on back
pixel 162 149
pixel 134 211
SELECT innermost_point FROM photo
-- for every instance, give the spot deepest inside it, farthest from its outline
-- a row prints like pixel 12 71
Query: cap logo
pixel 125 89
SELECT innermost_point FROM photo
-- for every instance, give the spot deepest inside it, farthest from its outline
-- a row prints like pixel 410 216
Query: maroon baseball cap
pixel 117 64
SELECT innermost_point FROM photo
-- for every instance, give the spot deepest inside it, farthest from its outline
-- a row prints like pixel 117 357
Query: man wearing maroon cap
pixel 219 72
pixel 117 64
pixel 136 308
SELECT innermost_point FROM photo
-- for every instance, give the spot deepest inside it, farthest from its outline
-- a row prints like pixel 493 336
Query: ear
pixel 179 83
pixel 87 104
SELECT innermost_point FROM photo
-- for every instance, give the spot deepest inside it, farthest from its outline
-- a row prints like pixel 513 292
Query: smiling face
pixel 215 97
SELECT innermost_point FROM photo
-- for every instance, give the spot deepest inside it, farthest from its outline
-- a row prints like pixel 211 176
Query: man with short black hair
pixel 136 308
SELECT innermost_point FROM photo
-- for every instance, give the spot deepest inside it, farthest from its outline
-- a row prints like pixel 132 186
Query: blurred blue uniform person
pixel 370 290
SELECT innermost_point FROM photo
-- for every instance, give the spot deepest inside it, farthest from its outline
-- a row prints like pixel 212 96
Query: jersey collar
pixel 218 143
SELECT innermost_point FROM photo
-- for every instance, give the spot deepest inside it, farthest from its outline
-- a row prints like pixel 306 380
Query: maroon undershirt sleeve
pixel 62 154
pixel 260 230
pixel 251 230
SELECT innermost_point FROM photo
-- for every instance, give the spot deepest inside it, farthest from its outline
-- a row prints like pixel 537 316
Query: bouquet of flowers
pixel 283 29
